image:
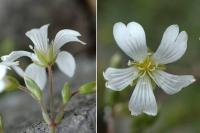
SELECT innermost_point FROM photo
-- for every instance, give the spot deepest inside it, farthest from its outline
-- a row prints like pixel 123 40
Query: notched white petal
pixel 172 47
pixel 66 35
pixel 39 37
pixel 131 39
pixel 38 74
pixel 118 79
pixel 19 71
pixel 66 63
pixel 170 83
pixel 143 99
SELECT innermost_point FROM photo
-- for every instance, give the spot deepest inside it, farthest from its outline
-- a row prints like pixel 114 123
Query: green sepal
pixel 39 64
pixel 51 55
pixel 46 59
pixel 33 88
pixel 88 88
pixel 42 57
pixel 66 93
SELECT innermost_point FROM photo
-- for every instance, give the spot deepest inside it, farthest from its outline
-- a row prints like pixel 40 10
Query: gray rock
pixel 80 118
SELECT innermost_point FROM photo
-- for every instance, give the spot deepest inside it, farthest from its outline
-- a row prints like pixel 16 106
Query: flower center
pixel 147 66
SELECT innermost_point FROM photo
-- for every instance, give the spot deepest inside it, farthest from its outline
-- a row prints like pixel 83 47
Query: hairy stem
pixel 51 91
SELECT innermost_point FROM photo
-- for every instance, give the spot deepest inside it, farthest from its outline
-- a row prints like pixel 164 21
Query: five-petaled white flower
pixel 146 67
pixel 45 54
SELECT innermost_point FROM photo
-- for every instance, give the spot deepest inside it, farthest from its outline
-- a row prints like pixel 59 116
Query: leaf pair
pixel 87 88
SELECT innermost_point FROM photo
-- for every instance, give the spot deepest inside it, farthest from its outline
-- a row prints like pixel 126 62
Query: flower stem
pixel 51 92
pixel 52 130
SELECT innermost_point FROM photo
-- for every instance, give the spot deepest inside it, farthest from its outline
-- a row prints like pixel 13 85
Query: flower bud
pixel 11 83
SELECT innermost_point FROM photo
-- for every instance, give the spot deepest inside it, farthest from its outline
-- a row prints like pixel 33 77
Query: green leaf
pixel 33 88
pixel 66 93
pixel 59 117
pixel 46 117
pixel 88 88
pixel 1 124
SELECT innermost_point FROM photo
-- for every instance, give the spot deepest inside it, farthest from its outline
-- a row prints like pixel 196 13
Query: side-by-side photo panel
pixel 48 66
pixel 148 66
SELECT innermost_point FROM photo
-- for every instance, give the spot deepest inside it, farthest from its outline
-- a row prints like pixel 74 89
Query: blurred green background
pixel 179 113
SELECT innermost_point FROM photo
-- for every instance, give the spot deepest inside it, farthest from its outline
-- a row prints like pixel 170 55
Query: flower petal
pixel 39 36
pixel 66 63
pixel 38 74
pixel 143 99
pixel 172 47
pixel 16 55
pixel 19 71
pixel 170 83
pixel 2 85
pixel 131 39
pixel 65 36
pixel 3 70
pixel 118 79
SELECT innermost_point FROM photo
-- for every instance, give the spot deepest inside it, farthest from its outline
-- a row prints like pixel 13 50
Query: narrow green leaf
pixel 88 88
pixel 33 88
pixel 59 117
pixel 66 93
pixel 46 117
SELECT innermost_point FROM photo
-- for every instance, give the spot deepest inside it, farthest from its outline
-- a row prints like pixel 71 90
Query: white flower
pixel 45 54
pixel 146 67
pixel 3 70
